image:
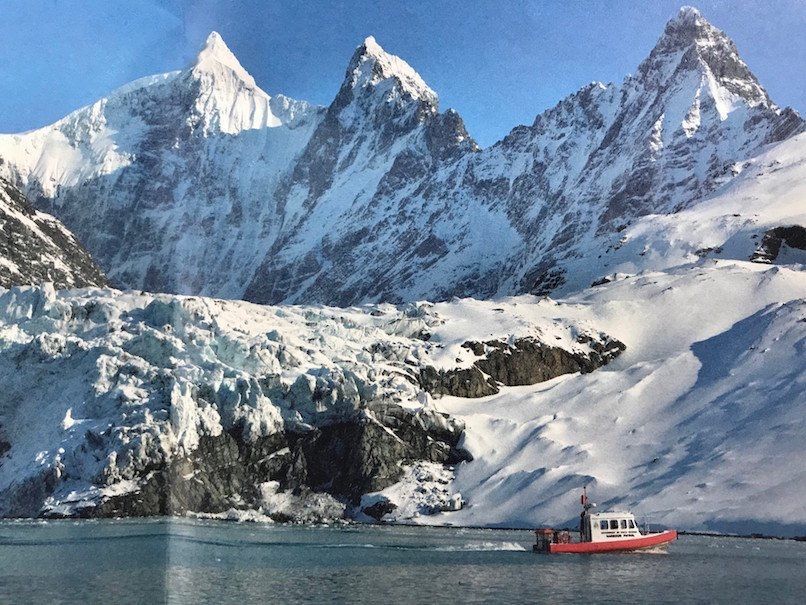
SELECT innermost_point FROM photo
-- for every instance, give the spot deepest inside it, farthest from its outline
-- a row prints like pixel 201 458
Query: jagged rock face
pixel 164 405
pixel 793 236
pixel 346 460
pixel 658 143
pixel 525 361
pixel 199 182
pixel 382 134
pixel 36 248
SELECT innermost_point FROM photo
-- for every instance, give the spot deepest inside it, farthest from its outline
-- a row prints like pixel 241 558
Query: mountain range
pixel 199 182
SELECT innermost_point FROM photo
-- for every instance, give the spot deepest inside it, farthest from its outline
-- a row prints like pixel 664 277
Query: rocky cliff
pixel 36 248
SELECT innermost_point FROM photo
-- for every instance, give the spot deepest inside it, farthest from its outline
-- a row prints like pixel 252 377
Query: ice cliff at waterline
pixel 160 405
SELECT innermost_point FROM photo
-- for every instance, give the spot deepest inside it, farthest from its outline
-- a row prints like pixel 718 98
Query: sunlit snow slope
pixel 699 424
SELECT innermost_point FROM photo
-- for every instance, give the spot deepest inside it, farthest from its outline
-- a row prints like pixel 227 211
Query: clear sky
pixel 499 63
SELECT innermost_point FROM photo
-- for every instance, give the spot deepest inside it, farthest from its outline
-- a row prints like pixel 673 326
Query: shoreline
pixel 348 523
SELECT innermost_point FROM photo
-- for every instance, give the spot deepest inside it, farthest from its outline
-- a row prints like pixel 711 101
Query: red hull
pixel 649 541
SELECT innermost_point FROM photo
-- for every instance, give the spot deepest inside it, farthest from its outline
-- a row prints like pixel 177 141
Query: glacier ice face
pixel 157 404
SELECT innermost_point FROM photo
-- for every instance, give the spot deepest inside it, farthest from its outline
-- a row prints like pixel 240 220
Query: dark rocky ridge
pixel 38 248
pixel 525 361
pixel 793 236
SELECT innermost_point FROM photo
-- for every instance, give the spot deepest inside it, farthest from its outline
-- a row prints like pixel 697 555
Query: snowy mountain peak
pixel 688 14
pixel 373 68
pixel 372 46
pixel 228 99
pixel 688 28
pixel 691 49
pixel 215 48
pixel 216 59
pixel 198 182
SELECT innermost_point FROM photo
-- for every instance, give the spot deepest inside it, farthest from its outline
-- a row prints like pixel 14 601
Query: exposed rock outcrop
pixel 793 236
pixel 525 361
pixel 36 248
pixel 346 460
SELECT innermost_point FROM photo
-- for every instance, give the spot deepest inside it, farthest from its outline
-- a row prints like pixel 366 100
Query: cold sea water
pixel 200 561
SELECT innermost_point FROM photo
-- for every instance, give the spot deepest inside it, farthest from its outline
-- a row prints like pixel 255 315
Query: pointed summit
pixel 689 27
pixel 688 13
pixel 372 47
pixel 216 57
pixel 371 66
pixel 214 46
pixel 690 44
pixel 227 98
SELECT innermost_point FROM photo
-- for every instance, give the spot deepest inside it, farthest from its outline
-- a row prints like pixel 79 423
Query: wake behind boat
pixel 612 531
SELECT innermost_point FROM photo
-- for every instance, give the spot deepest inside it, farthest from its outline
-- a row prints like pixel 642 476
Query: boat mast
pixel 585 532
pixel 583 500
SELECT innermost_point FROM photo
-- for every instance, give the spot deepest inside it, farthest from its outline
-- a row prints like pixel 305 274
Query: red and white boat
pixel 612 531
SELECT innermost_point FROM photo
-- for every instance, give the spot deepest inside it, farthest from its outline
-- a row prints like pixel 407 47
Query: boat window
pixel 614 524
pixel 602 524
pixel 632 525
pixel 623 524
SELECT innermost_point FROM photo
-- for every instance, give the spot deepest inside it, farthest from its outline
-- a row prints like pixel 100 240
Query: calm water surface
pixel 183 561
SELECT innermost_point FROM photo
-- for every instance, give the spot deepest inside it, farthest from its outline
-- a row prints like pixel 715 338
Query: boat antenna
pixel 584 498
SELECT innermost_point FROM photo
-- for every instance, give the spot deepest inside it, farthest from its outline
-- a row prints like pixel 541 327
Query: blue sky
pixel 498 63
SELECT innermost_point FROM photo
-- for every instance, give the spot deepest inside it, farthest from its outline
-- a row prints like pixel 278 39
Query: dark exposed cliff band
pixel 525 361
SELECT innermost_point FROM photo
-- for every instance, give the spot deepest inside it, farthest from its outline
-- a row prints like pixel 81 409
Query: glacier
pixel 158 404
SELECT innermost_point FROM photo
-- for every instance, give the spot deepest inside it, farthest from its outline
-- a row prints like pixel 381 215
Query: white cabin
pixel 598 527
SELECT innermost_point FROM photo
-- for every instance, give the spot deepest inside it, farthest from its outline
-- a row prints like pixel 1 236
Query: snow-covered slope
pixel 36 248
pixel 768 193
pixel 699 424
pixel 199 182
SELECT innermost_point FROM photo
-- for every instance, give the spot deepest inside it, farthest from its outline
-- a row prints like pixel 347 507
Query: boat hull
pixel 628 544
